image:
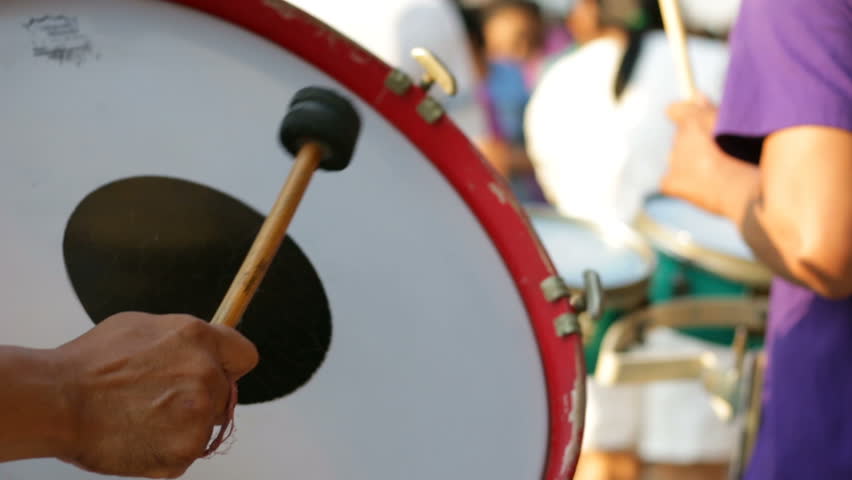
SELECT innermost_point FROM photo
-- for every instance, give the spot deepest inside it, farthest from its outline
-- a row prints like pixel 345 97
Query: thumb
pixel 237 354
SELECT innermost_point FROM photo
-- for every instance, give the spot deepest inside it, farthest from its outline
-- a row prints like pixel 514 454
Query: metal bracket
pixel 434 72
pixel 593 296
pixel 430 110
pixel 398 82
pixel 617 364
pixel 587 304
pixel 567 324
pixel 589 300
pixel 554 288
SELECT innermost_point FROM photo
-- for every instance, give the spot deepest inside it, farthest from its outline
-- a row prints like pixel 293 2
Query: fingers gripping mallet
pixel 320 129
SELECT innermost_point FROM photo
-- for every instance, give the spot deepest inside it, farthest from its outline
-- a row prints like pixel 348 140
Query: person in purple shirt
pixel 777 159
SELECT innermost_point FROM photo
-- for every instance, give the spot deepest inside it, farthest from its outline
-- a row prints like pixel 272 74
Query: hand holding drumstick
pixel 695 158
pixel 140 394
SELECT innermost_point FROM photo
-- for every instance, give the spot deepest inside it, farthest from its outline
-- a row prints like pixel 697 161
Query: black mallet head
pixel 321 115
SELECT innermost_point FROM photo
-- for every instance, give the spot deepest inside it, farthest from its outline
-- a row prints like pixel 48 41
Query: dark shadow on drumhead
pixel 163 245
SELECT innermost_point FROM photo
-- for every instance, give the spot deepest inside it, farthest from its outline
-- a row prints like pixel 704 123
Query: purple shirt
pixel 791 65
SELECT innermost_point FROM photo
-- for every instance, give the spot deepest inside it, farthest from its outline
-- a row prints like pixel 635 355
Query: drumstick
pixel 269 239
pixel 676 33
pixel 320 129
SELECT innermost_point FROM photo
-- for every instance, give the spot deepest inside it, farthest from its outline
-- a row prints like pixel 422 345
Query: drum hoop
pixel 625 296
pixel 751 273
pixel 484 192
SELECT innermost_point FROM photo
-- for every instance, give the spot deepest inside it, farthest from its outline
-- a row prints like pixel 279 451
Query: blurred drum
pixel 139 149
pixel 622 258
pixel 699 254
pixel 705 251
pixel 700 293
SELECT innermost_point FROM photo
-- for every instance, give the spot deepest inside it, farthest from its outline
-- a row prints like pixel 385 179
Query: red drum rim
pixel 486 194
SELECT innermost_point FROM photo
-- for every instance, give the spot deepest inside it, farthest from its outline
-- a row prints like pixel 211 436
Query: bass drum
pixel 411 337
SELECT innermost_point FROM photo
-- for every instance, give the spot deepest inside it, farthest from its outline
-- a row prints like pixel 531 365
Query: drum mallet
pixel 320 130
pixel 676 33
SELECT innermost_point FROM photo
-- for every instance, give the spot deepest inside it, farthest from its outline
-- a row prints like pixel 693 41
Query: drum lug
pixel 587 304
pixel 554 288
pixel 430 110
pixel 398 82
pixel 590 300
pixel 567 324
pixel 435 72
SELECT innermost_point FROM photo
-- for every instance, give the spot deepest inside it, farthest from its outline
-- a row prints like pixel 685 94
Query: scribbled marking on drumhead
pixel 164 245
pixel 59 38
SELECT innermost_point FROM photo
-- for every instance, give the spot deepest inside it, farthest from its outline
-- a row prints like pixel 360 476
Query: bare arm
pixel 138 395
pixel 33 409
pixel 795 212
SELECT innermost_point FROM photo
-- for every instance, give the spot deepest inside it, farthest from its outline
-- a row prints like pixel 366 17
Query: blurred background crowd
pixel 532 73
pixel 587 82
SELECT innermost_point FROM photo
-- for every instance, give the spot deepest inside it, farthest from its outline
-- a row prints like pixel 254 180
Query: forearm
pixel 33 412
pixel 740 200
pixel 795 212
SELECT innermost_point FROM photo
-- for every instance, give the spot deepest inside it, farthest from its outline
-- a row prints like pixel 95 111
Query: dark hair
pixel 472 18
pixel 649 19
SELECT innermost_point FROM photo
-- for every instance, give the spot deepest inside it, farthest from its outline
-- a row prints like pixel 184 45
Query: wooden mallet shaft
pixel 269 238
pixel 676 33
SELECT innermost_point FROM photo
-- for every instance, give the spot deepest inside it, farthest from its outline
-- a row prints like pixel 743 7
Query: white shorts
pixel 665 422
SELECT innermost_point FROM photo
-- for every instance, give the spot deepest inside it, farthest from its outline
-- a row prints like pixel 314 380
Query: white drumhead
pixel 433 370
pixel 576 246
pixel 693 224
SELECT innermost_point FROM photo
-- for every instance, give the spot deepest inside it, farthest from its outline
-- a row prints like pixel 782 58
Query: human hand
pixel 145 392
pixel 696 170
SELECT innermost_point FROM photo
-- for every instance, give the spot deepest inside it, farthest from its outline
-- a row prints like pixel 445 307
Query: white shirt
pixel 391 29
pixel 599 159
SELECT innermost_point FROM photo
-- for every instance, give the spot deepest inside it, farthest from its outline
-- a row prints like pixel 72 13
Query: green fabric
pixel 639 21
pixel 699 283
pixel 593 347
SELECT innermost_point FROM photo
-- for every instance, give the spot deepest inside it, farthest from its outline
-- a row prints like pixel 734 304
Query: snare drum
pixel 139 151
pixel 622 258
pixel 699 254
